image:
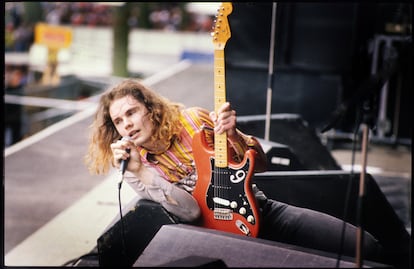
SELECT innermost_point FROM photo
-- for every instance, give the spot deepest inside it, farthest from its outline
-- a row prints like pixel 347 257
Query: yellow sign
pixel 53 36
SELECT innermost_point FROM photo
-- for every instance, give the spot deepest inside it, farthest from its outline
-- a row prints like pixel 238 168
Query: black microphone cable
pixel 124 249
pixel 123 166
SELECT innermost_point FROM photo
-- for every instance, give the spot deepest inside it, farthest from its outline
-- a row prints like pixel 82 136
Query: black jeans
pixel 312 229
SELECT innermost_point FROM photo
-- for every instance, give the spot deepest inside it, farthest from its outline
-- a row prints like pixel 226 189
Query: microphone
pixel 124 163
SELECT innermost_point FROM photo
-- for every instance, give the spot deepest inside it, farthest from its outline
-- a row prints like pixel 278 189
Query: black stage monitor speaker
pixel 295 133
pixel 124 241
pixel 184 244
pixel 326 191
pixel 280 157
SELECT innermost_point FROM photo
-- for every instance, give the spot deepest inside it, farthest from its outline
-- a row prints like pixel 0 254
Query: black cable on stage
pixel 122 169
pixel 124 249
pixel 348 191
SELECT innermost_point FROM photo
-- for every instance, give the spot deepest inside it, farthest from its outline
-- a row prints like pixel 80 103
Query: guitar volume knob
pixel 242 211
pixel 250 219
pixel 233 204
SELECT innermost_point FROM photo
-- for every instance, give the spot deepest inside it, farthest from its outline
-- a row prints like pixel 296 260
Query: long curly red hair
pixel 164 115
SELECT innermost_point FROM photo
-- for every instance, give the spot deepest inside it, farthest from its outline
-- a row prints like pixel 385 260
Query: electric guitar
pixel 223 189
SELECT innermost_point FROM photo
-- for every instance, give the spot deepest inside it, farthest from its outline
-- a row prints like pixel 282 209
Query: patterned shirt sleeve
pixel 243 144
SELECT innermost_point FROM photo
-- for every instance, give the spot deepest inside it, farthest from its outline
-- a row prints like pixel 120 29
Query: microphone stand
pixel 363 98
pixel 361 196
pixel 367 121
pixel 270 73
pixel 389 67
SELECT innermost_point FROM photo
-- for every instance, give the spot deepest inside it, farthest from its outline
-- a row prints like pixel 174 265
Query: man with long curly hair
pixel 161 164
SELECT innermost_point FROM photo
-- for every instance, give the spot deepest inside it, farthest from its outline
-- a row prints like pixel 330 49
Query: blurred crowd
pixel 77 13
pixel 19 36
pixel 168 16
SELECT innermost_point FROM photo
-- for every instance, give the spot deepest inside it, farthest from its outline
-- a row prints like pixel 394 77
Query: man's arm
pixel 150 185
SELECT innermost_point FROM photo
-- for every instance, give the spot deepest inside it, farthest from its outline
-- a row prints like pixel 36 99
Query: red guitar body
pixel 225 195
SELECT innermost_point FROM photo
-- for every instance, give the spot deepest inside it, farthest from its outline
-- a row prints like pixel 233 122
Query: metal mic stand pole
pixel 360 237
pixel 366 122
pixel 270 74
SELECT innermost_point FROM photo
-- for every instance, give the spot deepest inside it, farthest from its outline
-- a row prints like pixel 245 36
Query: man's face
pixel 131 118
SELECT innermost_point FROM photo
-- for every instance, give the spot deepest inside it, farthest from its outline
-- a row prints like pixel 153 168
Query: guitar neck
pixel 220 36
pixel 220 140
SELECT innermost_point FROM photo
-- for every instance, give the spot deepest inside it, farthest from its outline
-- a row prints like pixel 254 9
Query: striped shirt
pixel 176 164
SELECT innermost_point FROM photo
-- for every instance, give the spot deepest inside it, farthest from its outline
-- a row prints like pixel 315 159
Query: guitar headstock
pixel 221 30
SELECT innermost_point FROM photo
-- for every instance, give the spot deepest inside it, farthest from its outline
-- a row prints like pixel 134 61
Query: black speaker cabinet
pixel 125 240
pixel 184 245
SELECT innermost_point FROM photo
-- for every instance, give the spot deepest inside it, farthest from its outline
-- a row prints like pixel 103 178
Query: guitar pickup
pixel 221 201
pixel 223 214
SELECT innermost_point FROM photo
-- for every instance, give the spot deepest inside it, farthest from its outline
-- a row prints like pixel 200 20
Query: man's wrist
pixel 144 175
